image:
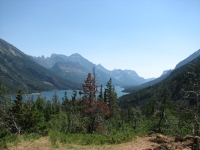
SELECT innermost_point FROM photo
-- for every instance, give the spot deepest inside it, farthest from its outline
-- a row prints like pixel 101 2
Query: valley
pixel 86 101
pixel 99 75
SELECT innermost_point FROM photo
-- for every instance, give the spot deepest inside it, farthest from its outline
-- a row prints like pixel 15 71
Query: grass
pixel 14 140
pixel 89 139
pixel 57 140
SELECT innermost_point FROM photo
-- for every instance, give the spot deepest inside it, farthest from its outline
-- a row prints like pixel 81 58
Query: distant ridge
pixel 166 73
pixel 170 87
pixel 188 59
pixel 119 77
pixel 20 71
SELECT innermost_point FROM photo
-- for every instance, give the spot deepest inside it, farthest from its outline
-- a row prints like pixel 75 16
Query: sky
pixel 147 36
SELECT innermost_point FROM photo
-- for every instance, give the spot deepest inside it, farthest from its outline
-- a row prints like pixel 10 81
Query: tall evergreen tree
pixel 18 113
pixel 65 103
pixel 56 107
pixel 111 97
pixel 40 104
pixel 48 111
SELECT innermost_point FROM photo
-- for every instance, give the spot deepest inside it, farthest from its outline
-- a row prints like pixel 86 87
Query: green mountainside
pixel 171 86
pixel 164 108
pixel 20 71
pixel 166 74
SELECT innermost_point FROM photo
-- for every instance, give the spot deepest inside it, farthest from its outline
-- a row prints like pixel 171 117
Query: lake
pixel 60 93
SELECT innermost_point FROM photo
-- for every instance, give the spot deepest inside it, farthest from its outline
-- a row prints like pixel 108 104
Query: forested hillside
pixel 172 86
pixel 20 71
pixel 168 107
pixel 166 74
pixel 160 108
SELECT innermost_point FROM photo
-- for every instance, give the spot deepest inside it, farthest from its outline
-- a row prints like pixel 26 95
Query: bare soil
pixel 150 142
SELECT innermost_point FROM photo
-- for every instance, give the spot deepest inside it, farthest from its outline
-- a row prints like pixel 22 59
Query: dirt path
pixel 151 142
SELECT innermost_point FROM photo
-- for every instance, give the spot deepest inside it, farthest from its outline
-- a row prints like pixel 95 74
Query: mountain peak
pixel 166 72
pixel 75 55
pixel 55 55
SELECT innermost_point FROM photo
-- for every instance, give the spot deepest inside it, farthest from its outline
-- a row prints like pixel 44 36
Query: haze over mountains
pixel 68 72
pixel 171 86
pixel 82 66
pixel 168 74
pixel 120 77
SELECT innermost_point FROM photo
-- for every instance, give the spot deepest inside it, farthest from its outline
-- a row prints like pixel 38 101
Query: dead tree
pixel 94 109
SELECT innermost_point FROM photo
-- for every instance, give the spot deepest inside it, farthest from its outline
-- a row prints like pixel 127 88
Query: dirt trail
pixel 150 142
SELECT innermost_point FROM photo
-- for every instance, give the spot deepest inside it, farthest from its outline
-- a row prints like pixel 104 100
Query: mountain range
pixel 62 65
pixel 68 72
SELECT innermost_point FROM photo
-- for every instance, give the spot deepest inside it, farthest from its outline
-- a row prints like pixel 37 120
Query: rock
pixel 197 138
pixel 160 147
pixel 178 139
pixel 188 143
pixel 159 139
pixel 188 137
pixel 150 133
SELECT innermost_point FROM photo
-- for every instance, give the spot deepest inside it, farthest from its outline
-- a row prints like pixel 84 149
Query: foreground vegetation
pixel 91 119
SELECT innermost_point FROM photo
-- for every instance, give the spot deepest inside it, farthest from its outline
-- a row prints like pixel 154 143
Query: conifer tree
pixel 111 97
pixel 34 120
pixel 48 111
pixel 65 103
pixel 40 104
pixel 56 107
pixel 95 110
pixel 17 118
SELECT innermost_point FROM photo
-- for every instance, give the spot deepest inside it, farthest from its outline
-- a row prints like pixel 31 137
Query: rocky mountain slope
pixel 119 77
pixel 71 71
pixel 128 77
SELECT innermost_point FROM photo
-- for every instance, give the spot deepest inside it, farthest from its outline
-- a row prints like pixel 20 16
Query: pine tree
pixel 94 109
pixel 48 111
pixel 111 98
pixel 65 103
pixel 40 104
pixel 17 110
pixel 34 121
pixel 56 107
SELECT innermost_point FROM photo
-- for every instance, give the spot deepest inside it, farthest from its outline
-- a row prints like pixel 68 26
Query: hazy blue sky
pixel 147 36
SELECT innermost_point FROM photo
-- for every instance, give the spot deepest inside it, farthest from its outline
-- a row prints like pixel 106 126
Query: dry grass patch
pixel 44 143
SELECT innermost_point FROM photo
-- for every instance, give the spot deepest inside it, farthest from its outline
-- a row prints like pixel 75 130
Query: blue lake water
pixel 60 93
